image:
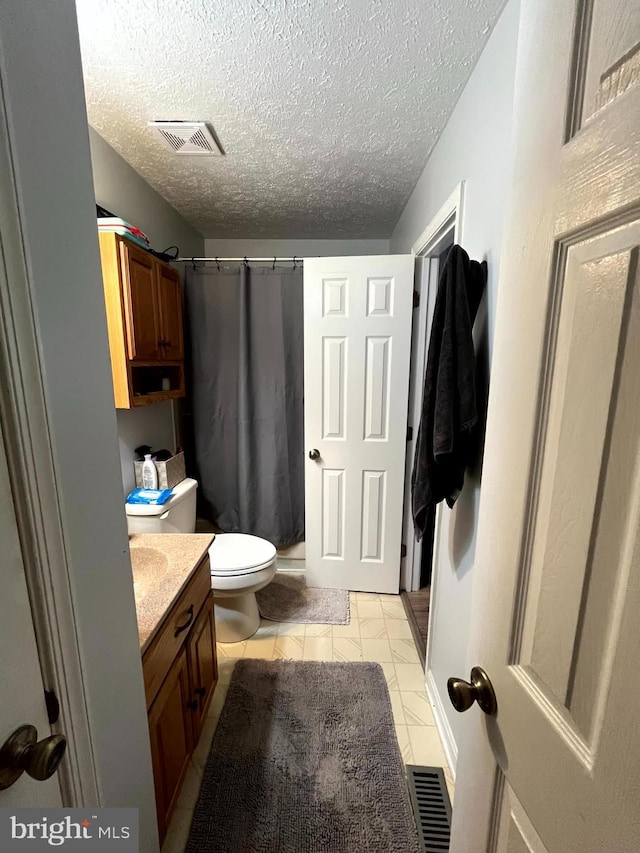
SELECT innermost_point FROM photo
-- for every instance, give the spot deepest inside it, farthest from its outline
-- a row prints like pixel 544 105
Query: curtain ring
pixel 218 263
pixel 274 263
pixel 193 263
pixel 295 266
pixel 246 262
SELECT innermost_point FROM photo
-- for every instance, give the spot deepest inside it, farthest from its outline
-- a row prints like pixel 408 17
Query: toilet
pixel 240 564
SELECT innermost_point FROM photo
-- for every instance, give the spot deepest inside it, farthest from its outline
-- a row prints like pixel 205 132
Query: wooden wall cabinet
pixel 180 674
pixel 143 299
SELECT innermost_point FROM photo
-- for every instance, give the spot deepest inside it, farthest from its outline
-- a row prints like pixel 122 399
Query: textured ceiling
pixel 326 109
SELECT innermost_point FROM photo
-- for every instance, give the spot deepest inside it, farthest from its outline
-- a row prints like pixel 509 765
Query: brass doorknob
pixel 314 454
pixel 464 693
pixel 23 752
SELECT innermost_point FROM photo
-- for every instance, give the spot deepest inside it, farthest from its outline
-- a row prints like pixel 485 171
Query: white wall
pixel 227 248
pixel 476 148
pixel 125 193
pixel 42 84
pixel 152 425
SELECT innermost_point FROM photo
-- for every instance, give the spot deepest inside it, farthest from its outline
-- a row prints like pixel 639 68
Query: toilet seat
pixel 237 554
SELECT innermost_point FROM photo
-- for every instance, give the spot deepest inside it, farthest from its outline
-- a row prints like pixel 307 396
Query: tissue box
pixel 170 473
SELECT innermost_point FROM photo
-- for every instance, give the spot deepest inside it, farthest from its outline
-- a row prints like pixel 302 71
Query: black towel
pixel 449 409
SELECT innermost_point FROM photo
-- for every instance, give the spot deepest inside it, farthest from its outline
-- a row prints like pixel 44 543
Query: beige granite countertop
pixel 162 564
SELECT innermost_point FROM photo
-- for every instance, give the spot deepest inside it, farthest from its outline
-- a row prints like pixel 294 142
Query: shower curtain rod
pixel 240 260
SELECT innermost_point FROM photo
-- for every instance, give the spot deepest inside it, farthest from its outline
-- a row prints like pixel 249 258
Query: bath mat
pixel 288 599
pixel 304 760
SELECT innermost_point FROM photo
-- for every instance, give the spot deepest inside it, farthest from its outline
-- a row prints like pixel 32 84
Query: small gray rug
pixel 304 760
pixel 288 599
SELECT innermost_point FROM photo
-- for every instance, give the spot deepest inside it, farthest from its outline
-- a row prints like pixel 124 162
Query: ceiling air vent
pixel 187 137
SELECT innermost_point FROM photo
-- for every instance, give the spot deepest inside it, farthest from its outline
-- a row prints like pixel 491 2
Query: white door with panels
pixel 557 585
pixel 23 696
pixel 357 343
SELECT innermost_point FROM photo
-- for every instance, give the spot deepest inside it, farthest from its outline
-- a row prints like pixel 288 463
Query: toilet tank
pixel 177 515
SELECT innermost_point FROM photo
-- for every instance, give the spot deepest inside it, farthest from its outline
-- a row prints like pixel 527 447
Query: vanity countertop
pixel 162 566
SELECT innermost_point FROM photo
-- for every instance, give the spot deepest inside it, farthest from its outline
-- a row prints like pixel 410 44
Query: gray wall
pixel 122 191
pixel 289 248
pixel 42 84
pixel 476 148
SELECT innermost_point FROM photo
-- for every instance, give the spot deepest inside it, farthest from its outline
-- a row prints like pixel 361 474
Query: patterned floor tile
pixel 426 746
pixel 318 631
pixel 201 752
pixel 378 631
pixel 291 629
pixel 396 707
pixel 404 743
pixel 367 596
pixel 288 648
pixel 318 648
pixel 225 670
pixel 410 676
pixel 417 708
pixel 350 630
pixel 398 629
pixel 369 610
pixel 266 629
pixel 390 676
pixel 176 838
pixel 377 650
pixel 404 651
pixel 263 647
pixel 190 787
pixel 232 651
pixel 393 609
pixel 389 599
pixel 373 629
pixel 347 649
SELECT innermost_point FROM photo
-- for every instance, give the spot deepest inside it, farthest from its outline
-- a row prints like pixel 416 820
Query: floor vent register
pixel 431 807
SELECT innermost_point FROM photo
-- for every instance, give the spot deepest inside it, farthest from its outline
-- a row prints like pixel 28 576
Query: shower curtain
pixel 245 326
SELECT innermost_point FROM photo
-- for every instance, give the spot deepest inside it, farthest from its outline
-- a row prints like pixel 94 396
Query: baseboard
pixel 289 566
pixel 442 724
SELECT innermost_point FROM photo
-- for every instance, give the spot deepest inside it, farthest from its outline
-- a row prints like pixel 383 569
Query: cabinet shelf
pixel 143 300
pixel 155 397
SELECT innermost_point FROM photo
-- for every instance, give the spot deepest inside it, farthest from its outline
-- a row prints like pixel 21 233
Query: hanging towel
pixel 449 409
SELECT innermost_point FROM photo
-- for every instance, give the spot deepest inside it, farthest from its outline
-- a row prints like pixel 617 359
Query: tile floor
pixel 379 631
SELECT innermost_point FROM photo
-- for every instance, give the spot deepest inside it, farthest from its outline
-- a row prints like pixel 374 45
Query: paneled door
pixel 140 303
pixel 357 342
pixel 23 697
pixel 170 301
pixel 557 585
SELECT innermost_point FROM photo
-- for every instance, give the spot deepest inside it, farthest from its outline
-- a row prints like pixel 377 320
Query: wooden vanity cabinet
pixel 180 674
pixel 143 300
pixel 203 666
pixel 172 740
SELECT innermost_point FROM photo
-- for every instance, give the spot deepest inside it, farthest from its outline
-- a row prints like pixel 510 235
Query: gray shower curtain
pixel 245 326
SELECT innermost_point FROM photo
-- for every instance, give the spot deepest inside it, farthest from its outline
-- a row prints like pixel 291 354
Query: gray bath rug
pixel 288 599
pixel 304 760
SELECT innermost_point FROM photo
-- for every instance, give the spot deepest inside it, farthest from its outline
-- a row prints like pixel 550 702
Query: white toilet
pixel 240 564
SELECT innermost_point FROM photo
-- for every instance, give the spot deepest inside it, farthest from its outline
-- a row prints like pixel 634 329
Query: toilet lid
pixel 235 552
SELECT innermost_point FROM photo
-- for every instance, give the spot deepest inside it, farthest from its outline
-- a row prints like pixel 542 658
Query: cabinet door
pixel 171 731
pixel 203 664
pixel 140 303
pixel 170 298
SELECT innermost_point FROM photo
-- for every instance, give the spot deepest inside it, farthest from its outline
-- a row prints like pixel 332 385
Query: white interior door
pixel 357 342
pixel 557 586
pixel 20 677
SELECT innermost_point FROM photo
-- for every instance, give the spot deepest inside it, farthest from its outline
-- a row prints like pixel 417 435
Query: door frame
pixel 448 219
pixel 24 419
